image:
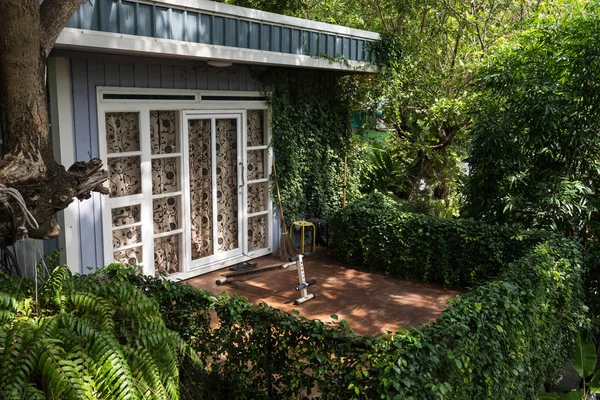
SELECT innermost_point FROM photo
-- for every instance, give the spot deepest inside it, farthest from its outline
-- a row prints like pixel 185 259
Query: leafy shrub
pixel 375 233
pixel 503 339
pixel 85 337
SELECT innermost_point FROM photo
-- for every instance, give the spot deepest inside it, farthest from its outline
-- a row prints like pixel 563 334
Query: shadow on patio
pixel 371 303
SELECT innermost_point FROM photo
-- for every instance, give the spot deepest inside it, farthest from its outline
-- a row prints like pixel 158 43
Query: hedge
pixel 503 339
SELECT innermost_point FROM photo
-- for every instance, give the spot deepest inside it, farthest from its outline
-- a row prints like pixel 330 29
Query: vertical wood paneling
pixel 161 22
pixel 223 79
pixel 254 35
pixel 242 77
pixel 144 19
pixel 191 27
pixel 153 75
pixel 218 31
pixel 205 29
pixel 133 18
pixel 126 74
pixel 243 32
pixel 179 77
pixel 177 25
pixel 265 37
pixel 234 82
pixel 276 38
pixel 166 76
pixel 141 75
pixel 231 32
pixel 112 73
pixel 201 78
pixel 286 40
pixel 127 18
pixel 190 77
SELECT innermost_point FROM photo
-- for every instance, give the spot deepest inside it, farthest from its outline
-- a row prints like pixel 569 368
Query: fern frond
pixel 148 373
pixel 17 359
pixel 54 288
pixel 113 373
pixel 98 307
pixel 62 371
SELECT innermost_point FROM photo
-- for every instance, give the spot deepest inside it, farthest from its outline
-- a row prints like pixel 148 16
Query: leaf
pixel 585 357
pixel 595 382
pixel 571 396
pixel 547 396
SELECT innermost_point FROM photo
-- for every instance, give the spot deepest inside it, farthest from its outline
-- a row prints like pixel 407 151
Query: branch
pixel 54 15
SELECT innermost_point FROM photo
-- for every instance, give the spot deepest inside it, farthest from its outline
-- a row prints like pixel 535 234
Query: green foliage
pixel 457 253
pixel 311 136
pixel 584 363
pixel 502 339
pixel 536 144
pixel 87 338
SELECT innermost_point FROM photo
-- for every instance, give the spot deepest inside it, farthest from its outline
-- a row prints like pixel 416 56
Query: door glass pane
pixel 257 233
pixel 122 132
pixel 167 253
pixel 124 176
pixel 258 196
pixel 227 184
pixel 256 164
pixel 130 256
pixel 200 176
pixel 165 177
pixel 127 236
pixel 163 132
pixel 125 215
pixel 256 128
pixel 166 214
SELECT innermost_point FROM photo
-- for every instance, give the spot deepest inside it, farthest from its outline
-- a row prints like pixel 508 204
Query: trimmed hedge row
pixel 503 339
pixel 374 233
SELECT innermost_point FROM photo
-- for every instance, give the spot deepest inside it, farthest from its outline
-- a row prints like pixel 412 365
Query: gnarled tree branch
pixel 54 15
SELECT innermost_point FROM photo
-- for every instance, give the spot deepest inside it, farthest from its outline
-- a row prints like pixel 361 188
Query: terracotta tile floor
pixel 371 303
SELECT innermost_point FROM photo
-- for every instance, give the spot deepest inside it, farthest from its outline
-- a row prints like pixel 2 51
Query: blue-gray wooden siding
pixel 128 17
pixel 91 70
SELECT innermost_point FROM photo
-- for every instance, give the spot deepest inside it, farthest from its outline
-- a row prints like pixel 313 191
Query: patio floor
pixel 371 303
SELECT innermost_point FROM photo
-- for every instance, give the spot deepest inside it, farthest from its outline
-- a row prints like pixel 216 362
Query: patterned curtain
pixel 227 186
pixel 200 188
pixel 257 192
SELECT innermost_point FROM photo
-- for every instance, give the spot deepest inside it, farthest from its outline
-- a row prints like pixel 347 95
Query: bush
pixel 376 234
pixel 85 338
pixel 503 339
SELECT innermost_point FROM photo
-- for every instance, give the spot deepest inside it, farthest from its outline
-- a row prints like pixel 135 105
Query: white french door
pixel 189 189
pixel 215 185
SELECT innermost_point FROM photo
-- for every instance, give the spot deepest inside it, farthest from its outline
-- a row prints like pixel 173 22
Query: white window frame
pixel 184 109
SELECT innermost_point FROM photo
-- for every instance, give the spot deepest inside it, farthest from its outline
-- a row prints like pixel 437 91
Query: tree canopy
pixel 536 126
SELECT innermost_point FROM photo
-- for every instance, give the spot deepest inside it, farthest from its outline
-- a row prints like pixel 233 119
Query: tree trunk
pixel 27 164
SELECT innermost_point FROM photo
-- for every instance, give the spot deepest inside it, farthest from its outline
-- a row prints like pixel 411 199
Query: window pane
pixel 124 176
pixel 166 214
pixel 256 128
pixel 257 164
pixel 129 256
pixel 200 176
pixel 122 132
pixel 163 132
pixel 257 233
pixel 125 215
pixel 227 184
pixel 126 237
pixel 258 197
pixel 165 177
pixel 167 253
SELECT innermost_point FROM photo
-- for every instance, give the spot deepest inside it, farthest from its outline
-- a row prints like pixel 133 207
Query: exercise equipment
pixel 295 263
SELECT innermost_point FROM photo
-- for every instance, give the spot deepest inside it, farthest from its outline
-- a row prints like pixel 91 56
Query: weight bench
pixel 296 264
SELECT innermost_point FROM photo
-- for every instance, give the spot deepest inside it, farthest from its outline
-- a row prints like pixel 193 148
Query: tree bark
pixel 27 164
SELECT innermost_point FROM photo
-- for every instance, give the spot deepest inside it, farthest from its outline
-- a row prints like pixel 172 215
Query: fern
pixel 91 337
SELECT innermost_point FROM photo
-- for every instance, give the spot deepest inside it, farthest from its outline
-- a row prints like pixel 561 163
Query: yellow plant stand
pixel 302 225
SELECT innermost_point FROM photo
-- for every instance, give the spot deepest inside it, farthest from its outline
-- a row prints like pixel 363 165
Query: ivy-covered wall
pixel 311 135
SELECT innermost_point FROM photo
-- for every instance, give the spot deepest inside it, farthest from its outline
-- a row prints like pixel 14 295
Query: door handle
pixel 243 181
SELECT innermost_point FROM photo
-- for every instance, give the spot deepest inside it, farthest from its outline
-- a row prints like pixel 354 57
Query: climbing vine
pixel 311 135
